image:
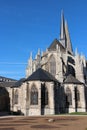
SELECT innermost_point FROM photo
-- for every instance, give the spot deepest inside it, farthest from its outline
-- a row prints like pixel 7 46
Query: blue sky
pixel 26 25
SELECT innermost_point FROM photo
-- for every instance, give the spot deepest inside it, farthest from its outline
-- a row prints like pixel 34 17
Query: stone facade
pixel 59 86
pixel 24 104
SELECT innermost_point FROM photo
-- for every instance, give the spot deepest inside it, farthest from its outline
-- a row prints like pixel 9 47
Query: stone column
pixel 83 102
pixel 73 98
pixel 39 97
pixel 51 98
pixel 11 99
pixel 27 99
pixel 23 98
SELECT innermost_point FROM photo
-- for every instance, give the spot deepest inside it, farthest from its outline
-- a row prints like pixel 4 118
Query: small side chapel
pixel 55 82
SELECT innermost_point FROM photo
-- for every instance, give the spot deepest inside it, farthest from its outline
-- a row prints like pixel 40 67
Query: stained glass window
pixel 16 97
pixel 27 92
pixel 52 65
pixel 78 95
pixel 68 96
pixel 34 95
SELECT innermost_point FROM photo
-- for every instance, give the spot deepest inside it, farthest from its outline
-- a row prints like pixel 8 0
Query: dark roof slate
pixel 71 79
pixel 4 79
pixel 19 82
pixel 7 84
pixel 41 75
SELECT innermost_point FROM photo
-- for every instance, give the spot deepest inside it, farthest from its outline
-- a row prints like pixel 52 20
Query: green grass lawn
pixel 78 113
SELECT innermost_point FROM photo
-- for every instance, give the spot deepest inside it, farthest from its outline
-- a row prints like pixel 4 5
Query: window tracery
pixel 52 65
pixel 34 96
pixel 16 97
pixel 68 96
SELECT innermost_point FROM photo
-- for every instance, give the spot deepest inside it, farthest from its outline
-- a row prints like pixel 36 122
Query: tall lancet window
pixel 78 95
pixel 52 65
pixel 34 96
pixel 27 92
pixel 68 96
pixel 16 97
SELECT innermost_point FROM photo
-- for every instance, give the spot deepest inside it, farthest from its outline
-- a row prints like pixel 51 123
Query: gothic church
pixel 55 80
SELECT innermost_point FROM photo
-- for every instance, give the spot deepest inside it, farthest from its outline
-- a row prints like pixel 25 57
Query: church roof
pixel 41 75
pixel 54 44
pixel 19 82
pixel 71 79
pixel 4 79
pixel 7 84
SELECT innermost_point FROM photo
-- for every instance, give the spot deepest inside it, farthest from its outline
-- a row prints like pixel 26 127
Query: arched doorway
pixel 44 98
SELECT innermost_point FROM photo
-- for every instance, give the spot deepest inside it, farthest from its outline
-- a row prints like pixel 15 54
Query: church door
pixel 44 98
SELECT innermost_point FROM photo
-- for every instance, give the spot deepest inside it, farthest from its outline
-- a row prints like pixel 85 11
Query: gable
pixel 41 75
pixel 54 44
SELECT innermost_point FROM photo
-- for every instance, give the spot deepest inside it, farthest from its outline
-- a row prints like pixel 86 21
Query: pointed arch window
pixel 34 96
pixel 68 96
pixel 71 70
pixel 52 65
pixel 78 95
pixel 16 97
pixel 27 92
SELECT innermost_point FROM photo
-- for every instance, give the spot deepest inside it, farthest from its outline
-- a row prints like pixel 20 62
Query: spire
pixel 31 55
pixel 68 41
pixel 62 30
pixel 30 59
pixel 76 52
pixel 38 51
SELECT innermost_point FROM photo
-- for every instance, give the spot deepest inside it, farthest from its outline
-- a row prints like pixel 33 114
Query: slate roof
pixel 19 82
pixel 41 75
pixel 7 84
pixel 53 45
pixel 4 79
pixel 71 79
